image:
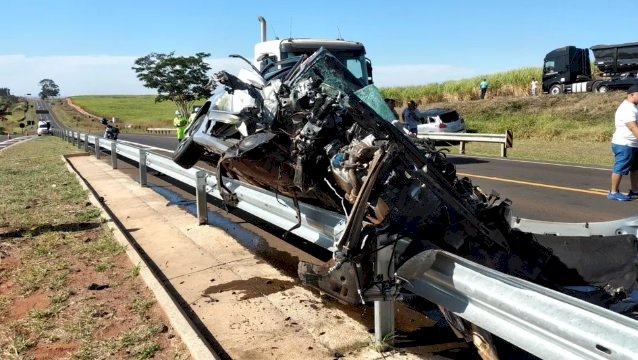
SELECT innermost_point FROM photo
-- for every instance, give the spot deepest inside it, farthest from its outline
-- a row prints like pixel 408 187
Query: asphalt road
pixel 545 191
pixel 541 191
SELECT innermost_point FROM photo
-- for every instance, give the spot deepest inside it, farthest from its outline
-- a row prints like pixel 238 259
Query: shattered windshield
pixel 333 73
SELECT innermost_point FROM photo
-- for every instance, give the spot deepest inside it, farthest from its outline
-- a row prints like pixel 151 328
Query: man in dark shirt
pixel 411 117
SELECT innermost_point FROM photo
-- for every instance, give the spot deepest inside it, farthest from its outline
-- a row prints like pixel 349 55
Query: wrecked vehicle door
pixel 315 133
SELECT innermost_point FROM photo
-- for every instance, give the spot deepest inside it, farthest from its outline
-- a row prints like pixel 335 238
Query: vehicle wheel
pixel 594 86
pixel 187 153
pixel 555 90
pixel 603 89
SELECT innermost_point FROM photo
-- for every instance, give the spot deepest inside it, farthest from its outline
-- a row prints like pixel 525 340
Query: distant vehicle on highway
pixel 44 128
pixel 441 120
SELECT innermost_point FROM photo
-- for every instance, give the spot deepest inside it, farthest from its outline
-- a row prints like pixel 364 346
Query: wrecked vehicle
pixel 316 133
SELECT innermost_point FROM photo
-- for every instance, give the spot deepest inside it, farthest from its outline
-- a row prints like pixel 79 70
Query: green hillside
pixel 582 117
pixel 567 117
pixel 141 110
pixel 20 112
pixel 509 83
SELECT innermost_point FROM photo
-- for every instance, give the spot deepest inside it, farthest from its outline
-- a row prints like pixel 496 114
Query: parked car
pixel 441 120
pixel 624 82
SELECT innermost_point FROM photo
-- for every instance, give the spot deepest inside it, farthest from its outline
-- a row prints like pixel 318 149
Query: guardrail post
pixel 200 194
pixel 143 168
pixel 462 147
pixel 79 143
pixel 97 147
pixel 384 310
pixel 509 142
pixel 86 142
pixel 113 154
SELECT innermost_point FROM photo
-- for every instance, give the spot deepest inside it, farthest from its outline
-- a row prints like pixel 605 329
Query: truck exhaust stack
pixel 262 21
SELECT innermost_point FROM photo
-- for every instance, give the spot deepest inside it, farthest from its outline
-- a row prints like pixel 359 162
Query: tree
pixel 49 89
pixel 179 79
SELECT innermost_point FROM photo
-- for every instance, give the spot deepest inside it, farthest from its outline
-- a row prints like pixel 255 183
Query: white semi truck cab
pixel 352 54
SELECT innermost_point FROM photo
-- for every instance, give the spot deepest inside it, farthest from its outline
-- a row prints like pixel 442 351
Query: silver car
pixel 441 120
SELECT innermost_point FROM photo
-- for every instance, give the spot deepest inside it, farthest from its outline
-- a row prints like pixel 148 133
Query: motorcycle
pixel 111 132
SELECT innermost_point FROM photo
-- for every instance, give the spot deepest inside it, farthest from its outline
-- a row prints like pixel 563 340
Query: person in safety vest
pixel 180 122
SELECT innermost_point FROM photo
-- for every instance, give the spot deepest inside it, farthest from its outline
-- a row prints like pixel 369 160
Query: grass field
pixel 21 111
pixel 139 110
pixel 510 83
pixel 586 118
pixel 53 244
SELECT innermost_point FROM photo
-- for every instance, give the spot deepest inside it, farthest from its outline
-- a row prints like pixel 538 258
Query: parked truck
pixel 568 69
pixel 274 53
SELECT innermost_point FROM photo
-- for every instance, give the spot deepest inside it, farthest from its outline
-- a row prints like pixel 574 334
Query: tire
pixel 602 89
pixel 187 153
pixel 594 86
pixel 555 89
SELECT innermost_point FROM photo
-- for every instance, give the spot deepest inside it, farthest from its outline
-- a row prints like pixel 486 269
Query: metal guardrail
pixel 506 140
pixel 541 321
pixel 161 130
pixel 317 225
pixel 626 226
pixel 544 322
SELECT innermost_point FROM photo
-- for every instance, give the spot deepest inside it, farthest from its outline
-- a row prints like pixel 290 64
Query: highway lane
pixel 43 105
pixel 542 191
pixel 545 191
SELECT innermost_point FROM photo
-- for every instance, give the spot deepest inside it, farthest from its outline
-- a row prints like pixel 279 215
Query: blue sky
pixel 88 47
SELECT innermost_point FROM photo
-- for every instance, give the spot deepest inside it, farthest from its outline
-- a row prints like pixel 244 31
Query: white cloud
pixel 75 75
pixel 112 75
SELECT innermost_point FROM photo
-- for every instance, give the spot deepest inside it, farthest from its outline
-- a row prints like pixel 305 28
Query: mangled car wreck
pixel 315 133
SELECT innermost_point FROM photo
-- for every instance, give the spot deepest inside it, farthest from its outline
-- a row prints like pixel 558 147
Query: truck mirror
pixel 369 70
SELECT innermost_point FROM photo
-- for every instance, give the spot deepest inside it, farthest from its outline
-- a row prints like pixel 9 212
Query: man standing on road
pixel 180 122
pixel 483 86
pixel 410 118
pixel 534 86
pixel 624 145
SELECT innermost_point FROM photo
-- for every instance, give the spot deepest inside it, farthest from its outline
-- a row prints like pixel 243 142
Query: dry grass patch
pixel 67 288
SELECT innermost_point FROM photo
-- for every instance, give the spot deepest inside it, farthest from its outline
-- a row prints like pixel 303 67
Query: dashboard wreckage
pixel 314 132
